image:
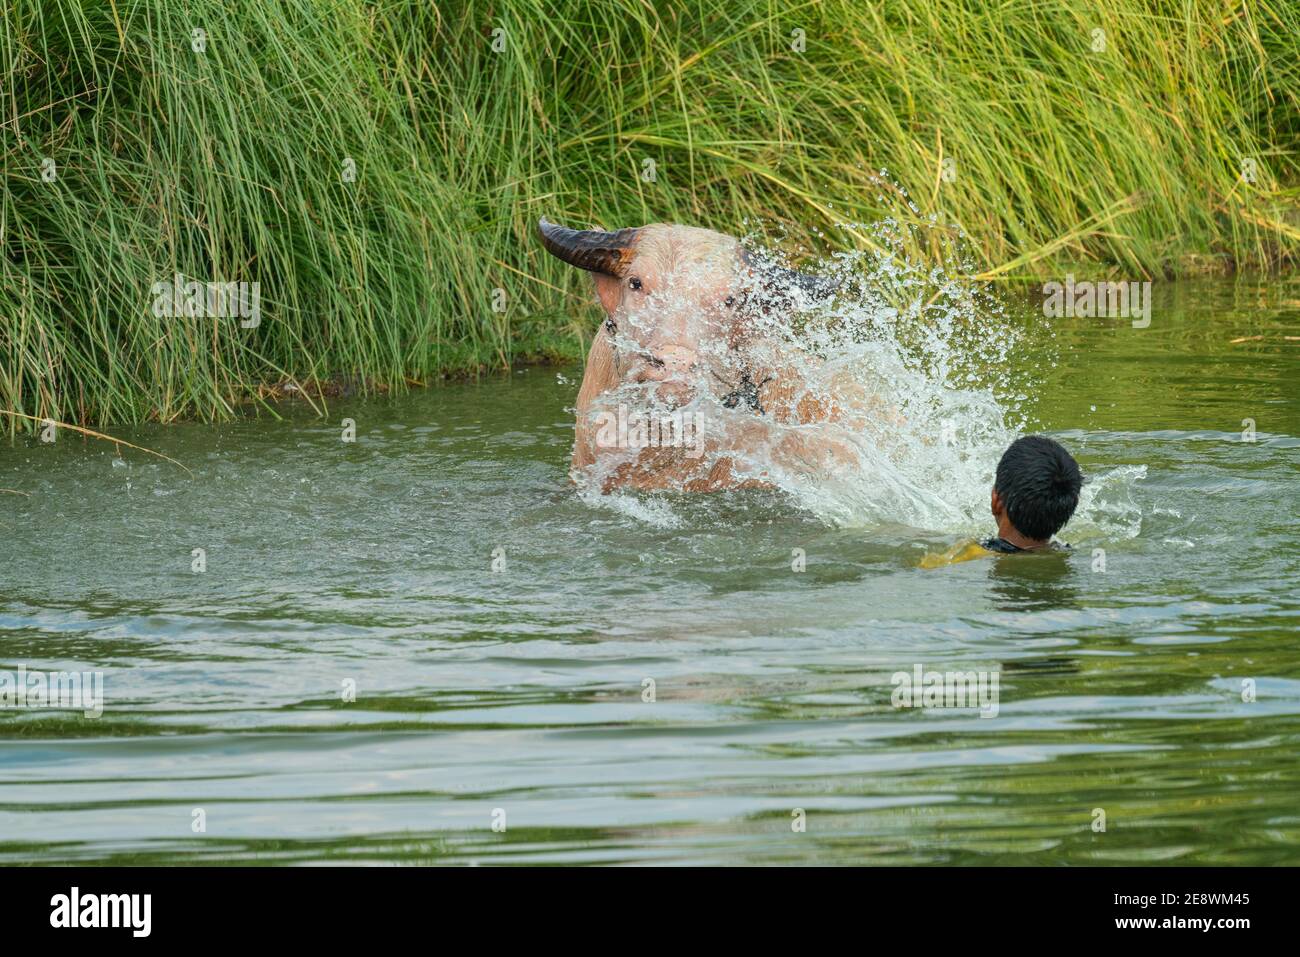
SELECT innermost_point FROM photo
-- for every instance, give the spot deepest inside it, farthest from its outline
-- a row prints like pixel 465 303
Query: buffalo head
pixel 676 298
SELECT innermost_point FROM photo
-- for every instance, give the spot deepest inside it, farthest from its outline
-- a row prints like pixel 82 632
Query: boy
pixel 1035 492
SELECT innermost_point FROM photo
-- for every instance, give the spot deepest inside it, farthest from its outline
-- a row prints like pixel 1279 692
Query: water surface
pixel 523 690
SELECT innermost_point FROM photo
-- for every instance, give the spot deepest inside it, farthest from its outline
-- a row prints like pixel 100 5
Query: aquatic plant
pixel 375 171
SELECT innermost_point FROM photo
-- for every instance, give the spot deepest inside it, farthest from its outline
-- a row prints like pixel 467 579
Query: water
pixel 521 690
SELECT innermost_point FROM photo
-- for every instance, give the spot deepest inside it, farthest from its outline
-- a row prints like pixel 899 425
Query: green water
pixel 522 689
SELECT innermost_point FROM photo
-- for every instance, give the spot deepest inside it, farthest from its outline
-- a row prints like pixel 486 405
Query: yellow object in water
pixel 961 552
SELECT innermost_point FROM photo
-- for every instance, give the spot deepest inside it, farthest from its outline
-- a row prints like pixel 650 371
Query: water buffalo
pixel 687 326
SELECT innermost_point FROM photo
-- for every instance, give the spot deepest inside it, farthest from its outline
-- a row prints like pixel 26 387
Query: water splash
pixel 1106 505
pixel 655 512
pixel 887 402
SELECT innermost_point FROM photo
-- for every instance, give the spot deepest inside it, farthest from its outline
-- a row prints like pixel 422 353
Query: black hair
pixel 1038 482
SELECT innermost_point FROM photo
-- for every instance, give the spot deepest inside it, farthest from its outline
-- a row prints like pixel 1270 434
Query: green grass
pixel 227 164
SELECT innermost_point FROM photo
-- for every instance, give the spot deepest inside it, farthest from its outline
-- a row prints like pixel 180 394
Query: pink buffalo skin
pixel 675 297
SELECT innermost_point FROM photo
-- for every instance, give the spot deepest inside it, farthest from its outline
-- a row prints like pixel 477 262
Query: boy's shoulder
pixel 961 552
pixel 965 551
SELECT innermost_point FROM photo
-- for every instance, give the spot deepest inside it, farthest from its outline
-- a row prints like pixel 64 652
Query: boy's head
pixel 1037 487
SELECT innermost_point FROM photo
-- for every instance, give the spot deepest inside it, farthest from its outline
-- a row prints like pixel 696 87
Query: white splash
pixel 918 360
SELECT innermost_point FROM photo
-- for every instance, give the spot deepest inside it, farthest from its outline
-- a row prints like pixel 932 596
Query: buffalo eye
pixel 634 284
pixel 729 301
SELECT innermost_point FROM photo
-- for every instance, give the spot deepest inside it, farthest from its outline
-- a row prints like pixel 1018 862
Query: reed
pixel 225 159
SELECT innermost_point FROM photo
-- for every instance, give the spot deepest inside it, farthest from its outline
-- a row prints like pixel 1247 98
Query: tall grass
pixel 227 164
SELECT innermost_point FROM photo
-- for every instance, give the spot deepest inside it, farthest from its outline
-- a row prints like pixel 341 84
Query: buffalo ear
pixel 609 291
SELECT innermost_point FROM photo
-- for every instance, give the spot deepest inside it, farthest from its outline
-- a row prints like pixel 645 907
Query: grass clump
pixel 1150 138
